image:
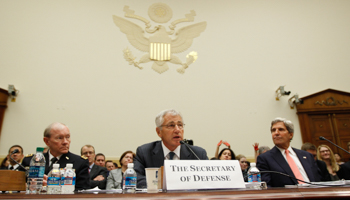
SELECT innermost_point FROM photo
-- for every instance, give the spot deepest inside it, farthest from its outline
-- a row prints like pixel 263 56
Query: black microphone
pixel 322 138
pixel 188 146
pixel 13 152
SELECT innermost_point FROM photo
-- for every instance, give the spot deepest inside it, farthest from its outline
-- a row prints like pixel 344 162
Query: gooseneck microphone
pixel 188 146
pixel 323 138
pixel 13 152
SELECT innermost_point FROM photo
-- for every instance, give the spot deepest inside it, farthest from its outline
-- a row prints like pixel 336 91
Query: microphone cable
pixel 310 183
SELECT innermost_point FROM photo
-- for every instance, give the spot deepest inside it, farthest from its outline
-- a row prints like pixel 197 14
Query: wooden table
pixel 275 193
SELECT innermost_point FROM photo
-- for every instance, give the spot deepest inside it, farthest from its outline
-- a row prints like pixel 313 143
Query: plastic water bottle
pixel 62 171
pixel 36 172
pixel 254 173
pixel 53 180
pixel 130 179
pixel 69 180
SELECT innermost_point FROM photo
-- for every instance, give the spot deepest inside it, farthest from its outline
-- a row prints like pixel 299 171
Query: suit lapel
pixel 93 171
pixel 158 154
pixel 184 153
pixel 47 162
pixel 304 161
pixel 277 155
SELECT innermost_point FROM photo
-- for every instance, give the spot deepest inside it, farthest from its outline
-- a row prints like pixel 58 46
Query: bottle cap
pixel 69 165
pixel 253 164
pixel 131 165
pixel 56 166
pixel 41 149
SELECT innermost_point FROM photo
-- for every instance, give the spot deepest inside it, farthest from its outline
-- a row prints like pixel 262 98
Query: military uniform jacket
pixel 80 165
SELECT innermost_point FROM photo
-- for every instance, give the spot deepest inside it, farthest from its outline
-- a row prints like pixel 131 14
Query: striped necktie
pixel 294 167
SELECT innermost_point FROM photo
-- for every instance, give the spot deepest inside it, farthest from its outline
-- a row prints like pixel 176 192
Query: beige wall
pixel 66 59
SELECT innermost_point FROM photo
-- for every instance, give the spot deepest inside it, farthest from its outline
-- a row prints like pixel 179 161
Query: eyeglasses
pixel 88 153
pixel 172 126
pixel 325 151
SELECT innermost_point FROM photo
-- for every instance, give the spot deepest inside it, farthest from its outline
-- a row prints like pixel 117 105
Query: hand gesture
pixel 219 144
pixel 256 146
pixel 227 144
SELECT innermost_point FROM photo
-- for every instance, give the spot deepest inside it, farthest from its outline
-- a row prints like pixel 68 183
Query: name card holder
pixel 202 174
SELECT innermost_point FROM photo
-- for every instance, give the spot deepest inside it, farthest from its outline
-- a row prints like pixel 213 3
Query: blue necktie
pixel 171 155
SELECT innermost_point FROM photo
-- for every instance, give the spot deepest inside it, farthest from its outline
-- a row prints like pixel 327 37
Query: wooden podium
pixel 12 180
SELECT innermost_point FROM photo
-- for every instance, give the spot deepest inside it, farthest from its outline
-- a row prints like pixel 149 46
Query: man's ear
pixel 158 132
pixel 291 135
pixel 46 140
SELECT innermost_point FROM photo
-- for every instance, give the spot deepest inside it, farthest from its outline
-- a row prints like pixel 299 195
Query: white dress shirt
pixel 51 156
pixel 167 151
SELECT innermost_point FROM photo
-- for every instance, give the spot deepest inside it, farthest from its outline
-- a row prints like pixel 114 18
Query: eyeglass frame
pixel 172 126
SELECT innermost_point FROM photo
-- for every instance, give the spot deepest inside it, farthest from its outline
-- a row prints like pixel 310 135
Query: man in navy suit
pixel 170 128
pixel 282 132
pixel 15 156
pixel 98 174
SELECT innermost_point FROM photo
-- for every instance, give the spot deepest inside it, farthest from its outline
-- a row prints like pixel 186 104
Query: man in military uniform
pixel 57 138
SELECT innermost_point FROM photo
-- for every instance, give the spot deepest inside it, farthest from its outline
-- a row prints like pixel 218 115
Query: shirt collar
pixel 167 151
pixel 290 149
pixel 91 165
pixel 51 156
pixel 14 166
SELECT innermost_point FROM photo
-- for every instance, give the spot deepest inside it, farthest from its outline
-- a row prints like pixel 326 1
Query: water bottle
pixel 130 179
pixel 36 172
pixel 254 173
pixel 69 180
pixel 53 180
pixel 62 171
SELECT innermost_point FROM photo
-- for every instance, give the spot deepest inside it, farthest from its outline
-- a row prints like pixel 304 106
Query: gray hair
pixel 263 149
pixel 47 132
pixel 289 125
pixel 160 116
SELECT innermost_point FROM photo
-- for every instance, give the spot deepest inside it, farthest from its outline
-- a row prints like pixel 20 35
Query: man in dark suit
pixel 170 128
pixel 300 163
pixel 98 174
pixel 322 167
pixel 57 138
pixel 15 156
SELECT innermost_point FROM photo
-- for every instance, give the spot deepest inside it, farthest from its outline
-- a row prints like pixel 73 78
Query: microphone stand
pixel 13 152
pixel 188 146
pixel 323 138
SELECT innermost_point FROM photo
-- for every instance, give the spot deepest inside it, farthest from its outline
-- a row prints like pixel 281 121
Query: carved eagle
pixel 136 36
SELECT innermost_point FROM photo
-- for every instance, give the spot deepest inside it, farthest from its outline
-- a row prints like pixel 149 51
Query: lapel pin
pixel 67 158
pixel 304 157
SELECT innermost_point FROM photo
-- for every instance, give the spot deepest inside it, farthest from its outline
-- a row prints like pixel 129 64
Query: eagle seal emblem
pixel 163 42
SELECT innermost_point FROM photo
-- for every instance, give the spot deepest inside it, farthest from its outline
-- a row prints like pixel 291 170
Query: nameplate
pixel 202 174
